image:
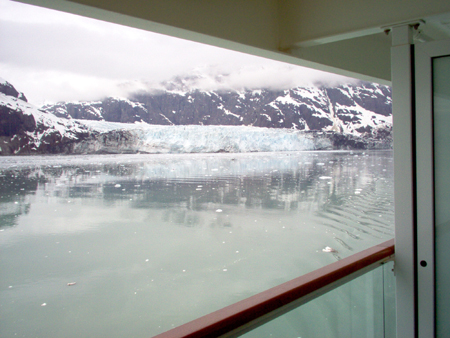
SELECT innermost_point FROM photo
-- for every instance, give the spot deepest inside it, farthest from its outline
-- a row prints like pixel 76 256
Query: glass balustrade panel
pixel 363 307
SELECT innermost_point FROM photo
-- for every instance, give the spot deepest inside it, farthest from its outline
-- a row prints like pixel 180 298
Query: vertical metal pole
pixel 402 61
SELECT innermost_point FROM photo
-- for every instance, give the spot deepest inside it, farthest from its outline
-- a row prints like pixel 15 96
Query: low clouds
pixel 54 56
pixel 273 75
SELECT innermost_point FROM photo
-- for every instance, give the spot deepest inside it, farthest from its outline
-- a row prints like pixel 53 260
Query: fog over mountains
pixel 174 119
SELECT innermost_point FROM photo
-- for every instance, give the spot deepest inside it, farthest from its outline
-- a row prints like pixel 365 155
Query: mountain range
pixel 342 117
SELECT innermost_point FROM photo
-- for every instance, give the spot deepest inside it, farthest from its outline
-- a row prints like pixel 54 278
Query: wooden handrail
pixel 238 318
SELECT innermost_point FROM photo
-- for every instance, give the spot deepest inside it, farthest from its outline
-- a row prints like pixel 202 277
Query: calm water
pixel 153 241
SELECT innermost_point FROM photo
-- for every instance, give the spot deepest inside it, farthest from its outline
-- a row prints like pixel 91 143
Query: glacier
pixel 148 138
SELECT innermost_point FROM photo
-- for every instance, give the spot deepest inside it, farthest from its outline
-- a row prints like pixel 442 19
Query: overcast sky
pixel 54 56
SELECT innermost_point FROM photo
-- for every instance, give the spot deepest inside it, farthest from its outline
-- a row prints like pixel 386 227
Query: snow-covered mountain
pixel 25 129
pixel 106 126
pixel 361 109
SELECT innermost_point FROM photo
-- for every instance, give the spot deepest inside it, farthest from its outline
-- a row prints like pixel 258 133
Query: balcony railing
pixel 250 313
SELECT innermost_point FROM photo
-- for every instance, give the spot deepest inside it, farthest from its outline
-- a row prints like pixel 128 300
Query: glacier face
pixel 147 138
pixel 26 129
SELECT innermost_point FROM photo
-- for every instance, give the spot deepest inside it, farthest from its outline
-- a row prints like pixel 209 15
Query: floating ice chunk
pixel 43 304
pixel 219 210
pixel 320 163
pixel 117 186
pixel 325 178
